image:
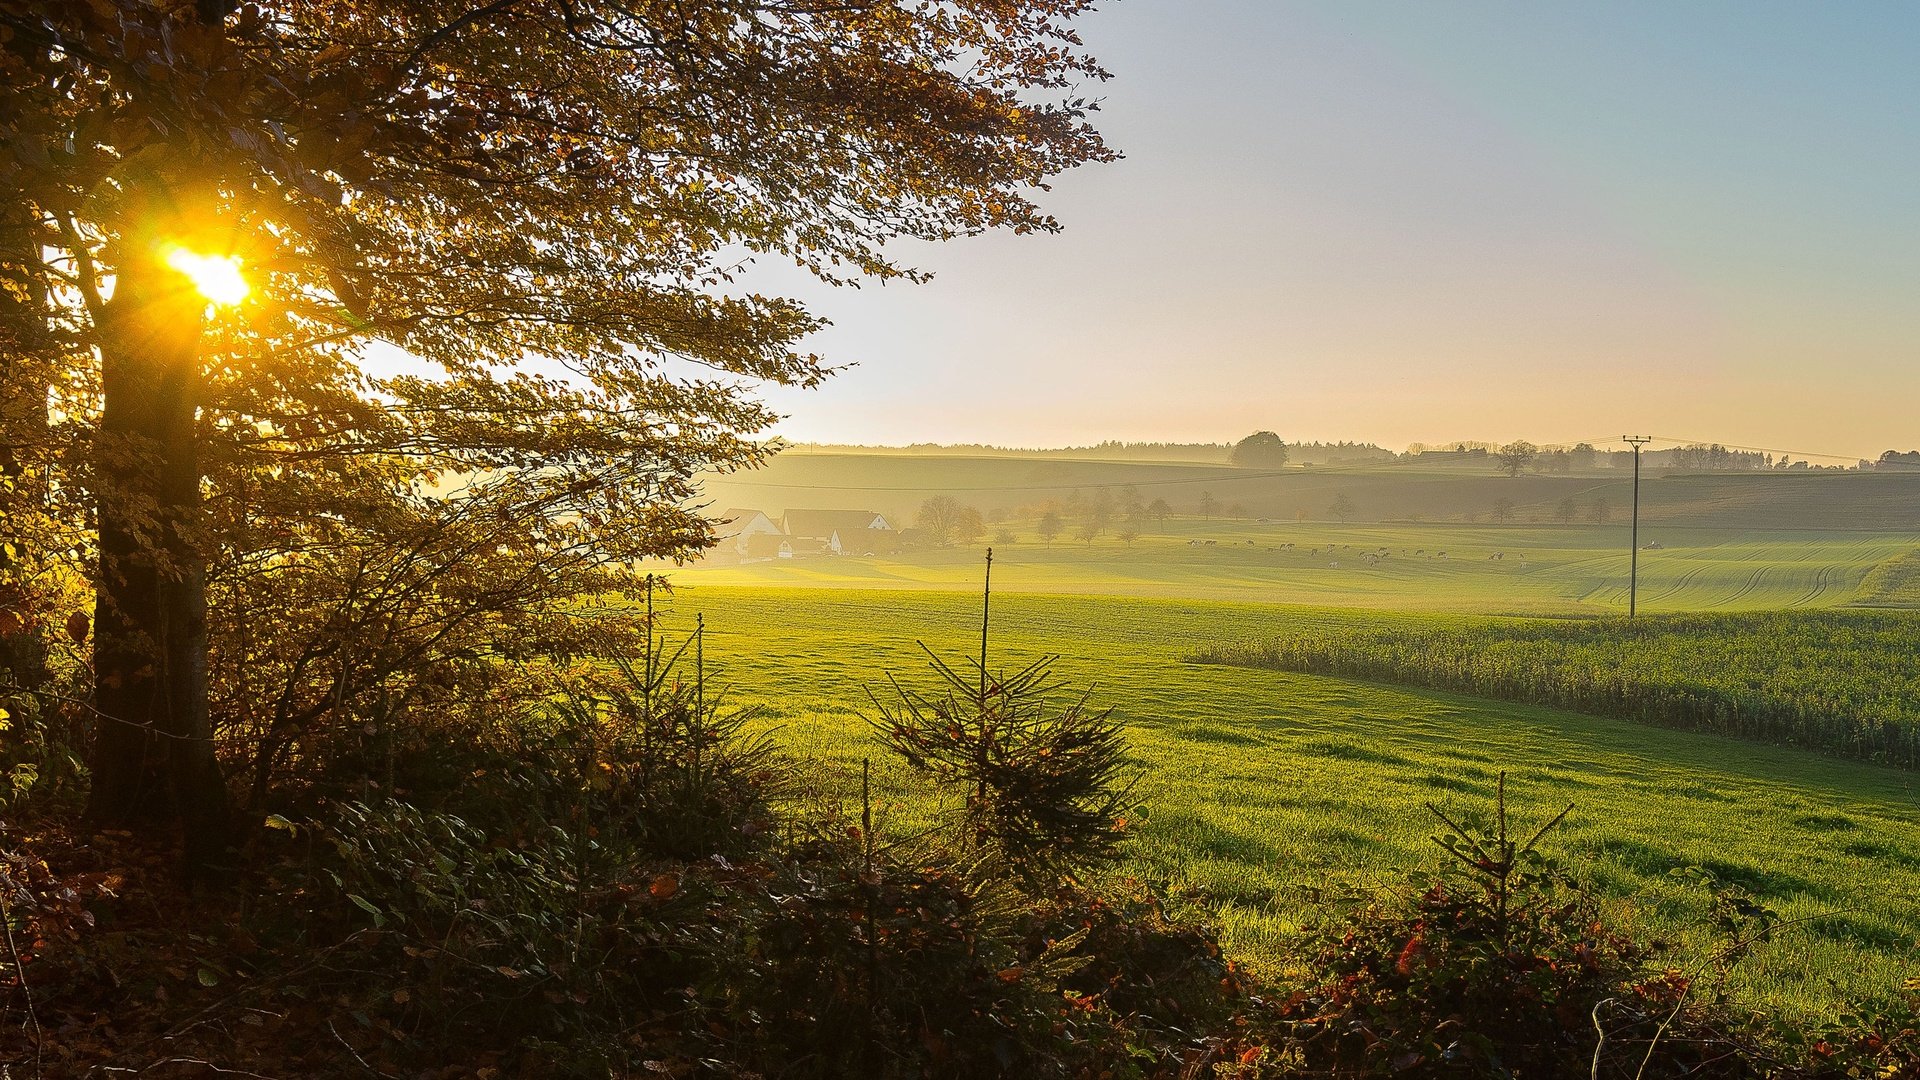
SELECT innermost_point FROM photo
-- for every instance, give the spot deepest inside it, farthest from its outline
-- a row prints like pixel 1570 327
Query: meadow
pixel 1493 569
pixel 1264 792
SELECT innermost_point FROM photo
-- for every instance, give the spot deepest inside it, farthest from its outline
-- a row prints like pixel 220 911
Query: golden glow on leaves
pixel 217 277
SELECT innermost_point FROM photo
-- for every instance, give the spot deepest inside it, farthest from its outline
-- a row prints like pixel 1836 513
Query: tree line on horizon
pixel 1266 449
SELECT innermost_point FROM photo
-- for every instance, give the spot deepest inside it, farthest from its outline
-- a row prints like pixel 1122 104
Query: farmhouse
pixel 839 532
pixel 735 530
pixel 762 546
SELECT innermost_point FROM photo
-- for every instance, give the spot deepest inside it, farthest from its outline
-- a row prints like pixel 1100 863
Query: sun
pixel 217 277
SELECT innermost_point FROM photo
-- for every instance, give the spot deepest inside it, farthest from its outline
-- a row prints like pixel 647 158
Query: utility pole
pixel 1633 574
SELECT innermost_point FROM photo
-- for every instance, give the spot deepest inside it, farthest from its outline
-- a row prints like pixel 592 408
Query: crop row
pixel 1845 683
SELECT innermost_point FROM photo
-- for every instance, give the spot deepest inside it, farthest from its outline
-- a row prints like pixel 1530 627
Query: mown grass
pixel 1839 682
pixel 1262 789
pixel 1519 569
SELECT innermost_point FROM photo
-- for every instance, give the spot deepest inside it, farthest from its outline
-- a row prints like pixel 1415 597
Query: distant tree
pixel 1209 506
pixel 1236 511
pixel 1583 456
pixel 1159 510
pixel 1129 499
pixel 1129 530
pixel 1568 511
pixel 1260 450
pixel 1005 536
pixel 1089 530
pixel 1097 520
pixel 968 526
pixel 1049 526
pixel 1503 510
pixel 945 520
pixel 1342 507
pixel 1600 511
pixel 1514 457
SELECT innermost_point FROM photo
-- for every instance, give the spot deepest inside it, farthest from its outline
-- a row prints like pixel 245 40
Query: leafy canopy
pixel 548 205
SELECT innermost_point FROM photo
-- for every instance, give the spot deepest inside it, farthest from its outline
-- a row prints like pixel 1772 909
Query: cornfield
pixel 1844 683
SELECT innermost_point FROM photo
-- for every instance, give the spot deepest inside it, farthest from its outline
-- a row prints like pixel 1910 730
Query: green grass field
pixel 1260 787
pixel 1545 569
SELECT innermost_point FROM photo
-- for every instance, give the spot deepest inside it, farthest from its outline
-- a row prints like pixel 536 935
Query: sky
pixel 1421 222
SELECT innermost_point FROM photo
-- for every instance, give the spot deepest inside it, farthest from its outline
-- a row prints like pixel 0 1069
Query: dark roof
pixel 731 522
pixel 821 524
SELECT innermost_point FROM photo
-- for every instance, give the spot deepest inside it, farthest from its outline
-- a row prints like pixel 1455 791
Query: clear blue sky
pixel 1425 221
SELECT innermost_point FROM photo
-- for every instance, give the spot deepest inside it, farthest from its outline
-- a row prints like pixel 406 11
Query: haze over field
pixel 1417 222
pixel 1412 572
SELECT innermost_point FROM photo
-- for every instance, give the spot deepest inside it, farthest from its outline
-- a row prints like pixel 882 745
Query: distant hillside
pixel 1315 453
pixel 1200 453
pixel 1009 485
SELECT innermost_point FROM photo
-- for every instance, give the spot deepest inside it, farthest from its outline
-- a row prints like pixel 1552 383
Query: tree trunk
pixel 153 756
pixel 23 427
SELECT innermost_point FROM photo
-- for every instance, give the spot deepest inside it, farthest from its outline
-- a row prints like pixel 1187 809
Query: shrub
pixel 1501 965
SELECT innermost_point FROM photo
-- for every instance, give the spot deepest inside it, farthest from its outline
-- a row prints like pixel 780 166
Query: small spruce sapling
pixel 1046 784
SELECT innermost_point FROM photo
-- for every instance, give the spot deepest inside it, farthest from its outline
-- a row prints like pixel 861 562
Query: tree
pixel 946 521
pixel 1568 511
pixel 1129 530
pixel 969 527
pixel 1515 457
pixel 1600 512
pixel 1049 526
pixel 378 170
pixel 1503 510
pixel 1342 507
pixel 1260 450
pixel 1096 522
pixel 1159 510
pixel 1209 506
pixel 1583 455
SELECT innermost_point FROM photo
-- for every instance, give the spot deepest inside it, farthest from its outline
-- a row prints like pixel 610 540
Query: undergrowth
pixel 621 882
